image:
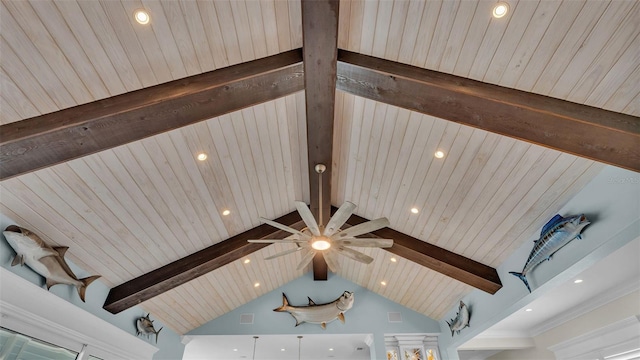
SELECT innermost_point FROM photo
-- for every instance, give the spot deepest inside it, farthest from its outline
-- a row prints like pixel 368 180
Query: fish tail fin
pixel 285 303
pixel 522 277
pixel 449 327
pixel 83 287
pixel 158 332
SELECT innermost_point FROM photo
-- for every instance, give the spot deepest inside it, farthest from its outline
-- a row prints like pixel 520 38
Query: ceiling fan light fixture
pixel 321 243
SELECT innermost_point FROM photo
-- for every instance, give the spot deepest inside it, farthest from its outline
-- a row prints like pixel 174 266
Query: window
pixel 16 346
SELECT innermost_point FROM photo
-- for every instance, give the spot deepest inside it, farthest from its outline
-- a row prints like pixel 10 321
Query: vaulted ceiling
pixel 102 119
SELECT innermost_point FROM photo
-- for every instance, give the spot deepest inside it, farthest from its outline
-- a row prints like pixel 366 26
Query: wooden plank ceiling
pixel 134 208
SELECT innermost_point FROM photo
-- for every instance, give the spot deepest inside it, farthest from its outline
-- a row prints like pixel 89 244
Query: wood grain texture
pixel 438 259
pixel 585 131
pixel 68 134
pixel 128 210
pixel 181 271
pixel 320 41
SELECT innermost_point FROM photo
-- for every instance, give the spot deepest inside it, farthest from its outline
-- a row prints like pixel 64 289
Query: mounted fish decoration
pixel 461 320
pixel 45 260
pixel 558 232
pixel 144 326
pixel 318 313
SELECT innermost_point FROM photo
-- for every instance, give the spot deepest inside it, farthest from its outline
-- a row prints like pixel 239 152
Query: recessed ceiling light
pixel 282 349
pixel 330 349
pixel 414 210
pixel 246 261
pixel 256 284
pixel 226 212
pixel 501 9
pixel 577 281
pixel 235 349
pixel 383 283
pixel 529 310
pixel 439 154
pixel 202 156
pixel 142 16
pixel 393 259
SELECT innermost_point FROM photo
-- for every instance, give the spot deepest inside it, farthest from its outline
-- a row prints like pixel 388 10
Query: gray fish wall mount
pixel 144 326
pixel 461 320
pixel 45 260
pixel 318 313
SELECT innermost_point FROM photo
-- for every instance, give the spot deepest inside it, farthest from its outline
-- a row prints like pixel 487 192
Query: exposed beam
pixel 163 279
pixel 64 135
pixel 456 266
pixel 581 130
pixel 320 51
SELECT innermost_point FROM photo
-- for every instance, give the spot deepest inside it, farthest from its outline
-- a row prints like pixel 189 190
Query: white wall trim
pixel 597 341
pixel 33 311
pixel 498 343
pixel 581 309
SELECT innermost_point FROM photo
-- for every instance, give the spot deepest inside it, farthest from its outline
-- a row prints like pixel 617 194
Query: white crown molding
pixel 621 332
pixel 587 306
pixel 33 311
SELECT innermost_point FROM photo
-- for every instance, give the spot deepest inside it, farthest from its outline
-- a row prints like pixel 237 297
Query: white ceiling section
pixel 137 207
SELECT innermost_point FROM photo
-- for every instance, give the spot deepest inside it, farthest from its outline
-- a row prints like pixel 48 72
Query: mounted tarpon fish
pixel 557 233
pixel 461 320
pixel 318 313
pixel 144 326
pixel 45 260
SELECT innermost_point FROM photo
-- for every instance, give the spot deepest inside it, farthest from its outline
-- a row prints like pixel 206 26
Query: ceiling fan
pixel 328 239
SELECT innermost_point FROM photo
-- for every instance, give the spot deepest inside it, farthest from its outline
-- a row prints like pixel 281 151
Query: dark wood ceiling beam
pixel 585 131
pixel 67 134
pixel 456 266
pixel 320 52
pixel 163 279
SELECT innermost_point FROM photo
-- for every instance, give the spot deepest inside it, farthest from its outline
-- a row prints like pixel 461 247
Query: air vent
pixel 246 319
pixel 394 317
pixel 359 348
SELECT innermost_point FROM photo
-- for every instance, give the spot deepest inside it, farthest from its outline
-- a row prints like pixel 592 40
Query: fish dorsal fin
pixel 311 302
pixel 550 224
pixel 61 250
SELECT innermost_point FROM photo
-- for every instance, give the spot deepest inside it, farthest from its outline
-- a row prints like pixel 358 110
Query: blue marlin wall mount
pixel 558 232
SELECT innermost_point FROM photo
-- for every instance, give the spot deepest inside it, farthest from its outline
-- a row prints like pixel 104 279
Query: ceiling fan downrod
pixel 320 168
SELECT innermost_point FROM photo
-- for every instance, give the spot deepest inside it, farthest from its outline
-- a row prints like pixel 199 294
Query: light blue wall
pixel 611 201
pixel 169 342
pixel 367 316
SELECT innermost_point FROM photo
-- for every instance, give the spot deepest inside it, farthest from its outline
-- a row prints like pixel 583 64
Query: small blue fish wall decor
pixel 558 232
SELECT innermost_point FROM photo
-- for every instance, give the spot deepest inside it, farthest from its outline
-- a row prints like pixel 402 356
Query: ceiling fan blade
pixel 332 262
pixel 363 228
pixel 308 218
pixel 365 242
pixel 339 218
pixel 278 241
pixel 353 254
pixel 306 259
pixel 285 228
pixel 291 251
